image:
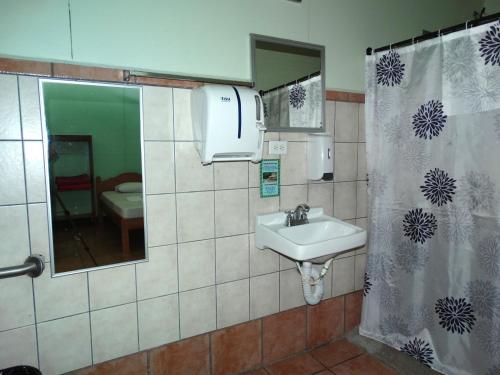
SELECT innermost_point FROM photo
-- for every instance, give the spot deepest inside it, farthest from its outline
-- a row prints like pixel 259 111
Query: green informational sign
pixel 269 178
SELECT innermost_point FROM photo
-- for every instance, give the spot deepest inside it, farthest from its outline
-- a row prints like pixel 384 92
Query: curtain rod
pixel 301 79
pixel 434 34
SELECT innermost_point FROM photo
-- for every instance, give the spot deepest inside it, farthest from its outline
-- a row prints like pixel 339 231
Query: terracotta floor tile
pixel 325 321
pixel 363 365
pixel 303 364
pixel 236 349
pixel 353 304
pixel 257 372
pixel 284 334
pixel 187 357
pixel 336 352
pixel 134 364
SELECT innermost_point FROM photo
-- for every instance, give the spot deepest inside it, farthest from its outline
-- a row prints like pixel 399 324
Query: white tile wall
pixel 190 174
pixel 204 271
pixel 346 122
pixel 231 212
pixel 321 195
pixel 35 174
pixel 161 219
pixel 258 206
pixel 182 119
pixel 291 294
pixel 346 160
pixel 57 297
pixel 30 104
pixel 160 167
pixel 232 303
pixel 158 276
pixel 195 216
pixel 196 264
pixel 197 311
pixel 232 260
pixel 158 113
pixel 16 303
pixel 14 246
pixel 231 175
pixel 262 261
pixel 18 346
pixel 38 229
pixel 64 344
pixel 158 321
pixel 343 276
pixel 112 286
pixel 292 195
pixel 9 108
pixel 344 203
pixel 114 332
pixel 293 165
pixel 264 295
pixel 12 172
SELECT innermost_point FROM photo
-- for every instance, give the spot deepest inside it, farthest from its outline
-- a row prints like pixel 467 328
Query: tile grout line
pixel 176 221
pixel 27 214
pixel 215 263
pixel 248 239
pixel 90 319
pixel 137 307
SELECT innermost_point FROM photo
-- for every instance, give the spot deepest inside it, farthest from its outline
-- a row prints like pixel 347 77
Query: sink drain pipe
pixel 312 281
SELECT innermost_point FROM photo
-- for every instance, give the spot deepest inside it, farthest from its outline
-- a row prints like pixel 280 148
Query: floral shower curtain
pixel 432 281
pixel 296 106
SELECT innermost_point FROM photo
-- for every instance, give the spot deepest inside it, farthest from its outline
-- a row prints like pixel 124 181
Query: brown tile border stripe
pixel 86 72
pixel 342 96
pixel 197 355
pixel 60 70
pixel 25 67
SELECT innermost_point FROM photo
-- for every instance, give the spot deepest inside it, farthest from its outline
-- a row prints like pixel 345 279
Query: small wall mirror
pixel 93 150
pixel 290 77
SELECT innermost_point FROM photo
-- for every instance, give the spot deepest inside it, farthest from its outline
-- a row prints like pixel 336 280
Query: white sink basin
pixel 324 235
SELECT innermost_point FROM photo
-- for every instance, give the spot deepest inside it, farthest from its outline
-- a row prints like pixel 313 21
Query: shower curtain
pixel 295 106
pixel 432 281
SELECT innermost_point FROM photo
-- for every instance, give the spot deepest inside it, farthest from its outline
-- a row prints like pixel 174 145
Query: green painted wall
pixel 211 38
pixel 111 115
pixel 492 6
pixel 276 68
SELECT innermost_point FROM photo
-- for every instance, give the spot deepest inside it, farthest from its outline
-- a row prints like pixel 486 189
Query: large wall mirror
pixel 290 77
pixel 93 150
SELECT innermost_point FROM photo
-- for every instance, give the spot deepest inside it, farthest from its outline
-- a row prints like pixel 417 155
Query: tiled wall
pixel 204 272
pixel 246 346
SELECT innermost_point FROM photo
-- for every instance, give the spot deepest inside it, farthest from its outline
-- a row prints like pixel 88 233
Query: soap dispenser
pixel 319 157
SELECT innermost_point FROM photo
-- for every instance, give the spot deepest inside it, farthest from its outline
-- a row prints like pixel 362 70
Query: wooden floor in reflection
pixel 103 241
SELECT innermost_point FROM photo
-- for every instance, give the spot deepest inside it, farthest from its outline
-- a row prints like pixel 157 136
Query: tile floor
pixel 339 358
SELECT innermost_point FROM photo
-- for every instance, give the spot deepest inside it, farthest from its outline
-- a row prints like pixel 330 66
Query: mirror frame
pixel 45 145
pixel 254 38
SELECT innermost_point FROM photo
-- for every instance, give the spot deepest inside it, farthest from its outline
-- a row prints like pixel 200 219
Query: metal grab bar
pixel 33 267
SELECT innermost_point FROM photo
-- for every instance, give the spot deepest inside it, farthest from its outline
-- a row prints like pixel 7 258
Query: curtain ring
pixel 466 24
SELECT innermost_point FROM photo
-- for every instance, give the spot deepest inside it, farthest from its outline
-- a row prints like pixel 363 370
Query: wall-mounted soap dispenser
pixel 319 157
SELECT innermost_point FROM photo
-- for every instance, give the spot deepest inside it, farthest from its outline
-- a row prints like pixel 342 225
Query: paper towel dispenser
pixel 228 123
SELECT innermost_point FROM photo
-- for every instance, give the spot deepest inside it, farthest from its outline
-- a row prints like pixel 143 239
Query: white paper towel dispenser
pixel 228 123
pixel 320 157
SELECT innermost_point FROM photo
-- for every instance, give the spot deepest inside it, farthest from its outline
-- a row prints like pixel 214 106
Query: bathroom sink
pixel 323 235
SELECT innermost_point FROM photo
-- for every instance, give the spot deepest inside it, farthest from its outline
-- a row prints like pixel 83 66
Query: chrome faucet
pixel 297 216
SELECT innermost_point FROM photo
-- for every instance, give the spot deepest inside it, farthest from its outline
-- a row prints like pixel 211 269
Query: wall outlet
pixel 278 147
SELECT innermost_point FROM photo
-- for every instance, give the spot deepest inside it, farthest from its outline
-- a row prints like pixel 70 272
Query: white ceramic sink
pixel 324 235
